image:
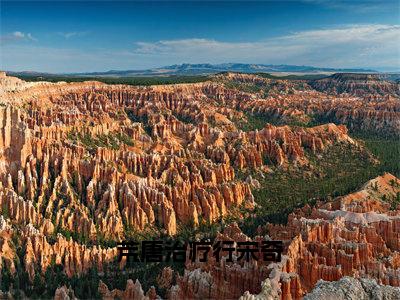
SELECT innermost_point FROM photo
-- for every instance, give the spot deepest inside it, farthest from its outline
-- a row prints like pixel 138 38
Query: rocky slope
pixel 75 159
pixel 356 84
pixel 85 165
pixel 352 288
pixel 373 106
pixel 356 235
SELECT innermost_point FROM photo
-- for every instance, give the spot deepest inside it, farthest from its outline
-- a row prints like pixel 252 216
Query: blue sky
pixel 56 36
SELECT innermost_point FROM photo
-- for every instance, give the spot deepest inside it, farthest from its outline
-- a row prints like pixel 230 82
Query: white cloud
pixel 68 35
pixel 17 36
pixel 359 45
pixel 367 46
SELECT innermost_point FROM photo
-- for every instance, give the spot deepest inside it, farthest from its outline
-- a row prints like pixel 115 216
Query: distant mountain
pixel 254 68
pixel 206 69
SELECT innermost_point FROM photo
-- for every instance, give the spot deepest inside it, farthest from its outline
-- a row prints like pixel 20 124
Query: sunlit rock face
pixel 356 235
pixel 357 84
pixel 360 101
pixel 94 162
pixel 352 288
pixel 91 157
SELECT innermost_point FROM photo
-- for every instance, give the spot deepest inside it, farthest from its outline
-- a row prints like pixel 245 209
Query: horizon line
pixel 366 69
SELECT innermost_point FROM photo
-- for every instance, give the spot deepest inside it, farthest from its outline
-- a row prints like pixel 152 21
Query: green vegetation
pixel 86 285
pixel 68 234
pixel 124 139
pixel 293 77
pixel 385 148
pixel 140 119
pixel 251 122
pixel 262 89
pixel 341 170
pixel 137 81
pixel 286 77
pixel 258 121
pixel 45 285
pixel 111 140
pixel 5 212
pixel 151 80
pixel 395 202
pixel 243 87
pixel 183 118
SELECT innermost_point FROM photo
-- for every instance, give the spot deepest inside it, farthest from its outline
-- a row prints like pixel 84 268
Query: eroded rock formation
pixel 357 84
pixel 348 288
pixel 132 291
pixel 85 164
pixel 321 243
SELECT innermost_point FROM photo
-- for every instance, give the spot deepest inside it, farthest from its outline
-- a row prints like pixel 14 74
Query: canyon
pixel 86 165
